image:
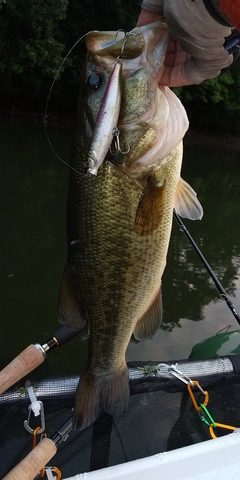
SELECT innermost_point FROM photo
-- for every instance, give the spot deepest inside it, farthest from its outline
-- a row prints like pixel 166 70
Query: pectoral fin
pixel 186 203
pixel 68 308
pixel 150 208
pixel 150 322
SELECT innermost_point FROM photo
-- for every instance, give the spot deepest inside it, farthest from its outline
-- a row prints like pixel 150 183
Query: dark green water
pixel 33 248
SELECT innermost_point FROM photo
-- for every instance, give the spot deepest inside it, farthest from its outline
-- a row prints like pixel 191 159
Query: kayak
pixel 183 422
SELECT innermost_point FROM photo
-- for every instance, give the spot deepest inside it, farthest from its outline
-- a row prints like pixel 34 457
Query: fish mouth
pixel 148 118
pixel 133 47
pixel 116 43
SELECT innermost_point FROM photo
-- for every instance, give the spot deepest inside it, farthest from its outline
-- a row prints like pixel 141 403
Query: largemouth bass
pixel 119 218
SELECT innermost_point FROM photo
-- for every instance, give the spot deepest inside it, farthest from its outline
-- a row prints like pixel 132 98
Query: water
pixel 33 248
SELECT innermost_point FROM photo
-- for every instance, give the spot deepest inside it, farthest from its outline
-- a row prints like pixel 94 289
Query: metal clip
pixel 116 143
pixel 42 417
pixel 181 376
pixel 205 393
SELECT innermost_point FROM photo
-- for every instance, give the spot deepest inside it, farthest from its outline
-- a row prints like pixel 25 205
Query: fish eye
pixel 95 80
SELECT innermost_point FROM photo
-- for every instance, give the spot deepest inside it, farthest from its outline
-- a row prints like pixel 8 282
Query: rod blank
pixel 223 293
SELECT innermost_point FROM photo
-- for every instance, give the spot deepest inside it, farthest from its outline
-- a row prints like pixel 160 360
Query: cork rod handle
pixel 23 364
pixel 29 467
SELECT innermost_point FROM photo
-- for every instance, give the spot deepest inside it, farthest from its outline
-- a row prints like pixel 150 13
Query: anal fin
pixel 150 322
pixel 68 308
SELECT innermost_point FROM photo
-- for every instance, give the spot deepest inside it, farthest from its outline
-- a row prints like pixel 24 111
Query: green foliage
pixel 35 37
pixel 30 44
pixel 214 104
pixel 214 91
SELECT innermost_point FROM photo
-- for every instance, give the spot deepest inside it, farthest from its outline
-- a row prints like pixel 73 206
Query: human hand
pixel 173 75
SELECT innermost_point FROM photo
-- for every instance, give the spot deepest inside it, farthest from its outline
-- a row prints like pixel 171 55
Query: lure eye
pixel 95 81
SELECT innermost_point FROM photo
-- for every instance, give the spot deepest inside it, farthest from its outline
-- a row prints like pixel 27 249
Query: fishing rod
pixel 223 293
pixel 31 465
pixel 33 356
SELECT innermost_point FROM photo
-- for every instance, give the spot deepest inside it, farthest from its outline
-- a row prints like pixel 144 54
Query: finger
pixel 172 46
pixel 174 77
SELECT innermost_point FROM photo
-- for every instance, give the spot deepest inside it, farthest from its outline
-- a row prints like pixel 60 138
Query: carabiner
pixel 180 375
pixel 205 393
pixel 42 418
pixel 221 425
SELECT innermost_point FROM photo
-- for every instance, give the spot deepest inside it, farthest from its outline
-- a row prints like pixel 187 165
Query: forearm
pixel 153 6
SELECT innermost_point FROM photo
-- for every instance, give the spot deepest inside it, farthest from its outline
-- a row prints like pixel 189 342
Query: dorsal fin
pixel 186 203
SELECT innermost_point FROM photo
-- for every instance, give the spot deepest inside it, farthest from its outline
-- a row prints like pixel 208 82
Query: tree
pixel 30 45
pixel 35 36
pixel 214 103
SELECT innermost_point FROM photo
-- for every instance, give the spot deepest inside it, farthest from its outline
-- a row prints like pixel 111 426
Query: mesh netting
pixel 160 417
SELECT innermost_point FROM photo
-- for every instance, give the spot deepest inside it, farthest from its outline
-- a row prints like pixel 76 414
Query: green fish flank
pixel 119 221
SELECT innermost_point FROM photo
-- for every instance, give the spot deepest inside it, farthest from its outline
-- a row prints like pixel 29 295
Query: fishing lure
pixel 106 121
pixel 106 124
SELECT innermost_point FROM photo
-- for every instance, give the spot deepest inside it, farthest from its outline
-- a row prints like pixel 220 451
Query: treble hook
pixel 117 148
pixel 127 35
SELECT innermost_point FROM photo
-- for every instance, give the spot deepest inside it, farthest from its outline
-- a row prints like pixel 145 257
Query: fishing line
pixel 46 108
pixel 50 93
pixel 121 441
pixel 223 293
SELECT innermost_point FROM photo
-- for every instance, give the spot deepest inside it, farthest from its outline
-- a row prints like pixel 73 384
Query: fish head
pixel 152 120
pixel 103 51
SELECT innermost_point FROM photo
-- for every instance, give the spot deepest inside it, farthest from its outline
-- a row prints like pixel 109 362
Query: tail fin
pixel 89 400
pixel 94 393
pixel 116 391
